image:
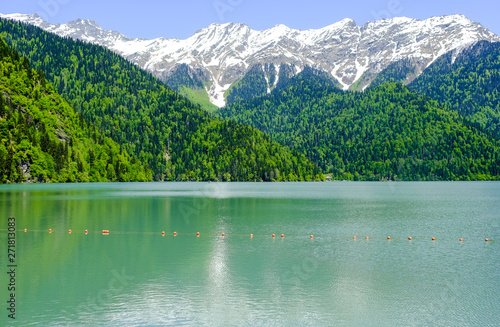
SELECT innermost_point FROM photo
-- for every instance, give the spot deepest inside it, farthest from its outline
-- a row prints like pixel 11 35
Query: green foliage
pixel 185 77
pixel 385 133
pixel 199 96
pixel 470 84
pixel 402 71
pixel 176 138
pixel 190 83
pixel 253 84
pixel 43 139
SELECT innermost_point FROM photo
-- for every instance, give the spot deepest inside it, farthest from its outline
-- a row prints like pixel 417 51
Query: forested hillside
pixel 403 71
pixel 387 132
pixel 191 84
pixel 470 84
pixel 253 84
pixel 174 137
pixel 44 140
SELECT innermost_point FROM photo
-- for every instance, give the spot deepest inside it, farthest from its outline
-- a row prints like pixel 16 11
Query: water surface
pixel 136 276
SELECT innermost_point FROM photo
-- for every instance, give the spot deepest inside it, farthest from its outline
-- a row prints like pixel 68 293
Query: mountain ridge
pixel 351 54
pixel 176 138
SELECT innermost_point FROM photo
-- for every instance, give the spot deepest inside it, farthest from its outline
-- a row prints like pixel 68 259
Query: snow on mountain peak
pixel 352 54
pixel 24 18
pixel 346 21
pixel 280 28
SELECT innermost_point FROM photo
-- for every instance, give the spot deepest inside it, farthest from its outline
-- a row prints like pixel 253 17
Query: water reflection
pixel 136 276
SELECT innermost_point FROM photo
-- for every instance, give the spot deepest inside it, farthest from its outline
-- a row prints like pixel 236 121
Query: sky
pixel 182 18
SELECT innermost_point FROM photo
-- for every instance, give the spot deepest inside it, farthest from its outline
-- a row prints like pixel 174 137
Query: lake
pixel 135 276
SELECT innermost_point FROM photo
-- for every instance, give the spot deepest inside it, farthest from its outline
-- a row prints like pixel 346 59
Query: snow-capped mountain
pixel 351 54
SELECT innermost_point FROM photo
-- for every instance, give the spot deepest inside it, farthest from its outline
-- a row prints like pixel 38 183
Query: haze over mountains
pixel 221 54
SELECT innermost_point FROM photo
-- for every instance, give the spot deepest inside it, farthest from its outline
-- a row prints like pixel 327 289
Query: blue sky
pixel 181 18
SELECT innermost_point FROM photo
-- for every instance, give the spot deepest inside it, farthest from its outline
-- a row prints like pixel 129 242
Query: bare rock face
pixel 25 167
pixel 351 54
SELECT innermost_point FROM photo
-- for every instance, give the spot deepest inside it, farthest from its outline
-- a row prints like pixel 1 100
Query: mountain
pixel 263 79
pixel 43 139
pixel 384 133
pixel 468 82
pixel 176 138
pixel 403 71
pixel 352 55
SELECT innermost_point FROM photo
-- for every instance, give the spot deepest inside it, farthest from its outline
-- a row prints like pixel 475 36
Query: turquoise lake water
pixel 136 277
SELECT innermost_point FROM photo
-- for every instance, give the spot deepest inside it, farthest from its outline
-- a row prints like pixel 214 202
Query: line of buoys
pixel 163 233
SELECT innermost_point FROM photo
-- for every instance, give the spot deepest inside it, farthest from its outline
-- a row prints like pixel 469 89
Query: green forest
pixel 253 84
pixel 469 83
pixel 191 84
pixel 385 133
pixel 72 111
pixel 401 71
pixel 175 138
pixel 43 139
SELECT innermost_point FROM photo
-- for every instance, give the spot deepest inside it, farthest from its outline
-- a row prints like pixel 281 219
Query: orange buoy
pixel 175 233
pixel 410 238
pixel 433 238
pixel 388 237
pixel 367 238
pixel 86 231
pixel 223 234
pixel 274 235
pixel 461 240
pixel 163 233
pixel 486 239
pixel 251 235
pixel 105 231
pixel 50 230
pixel 198 234
pixel 25 230
pixel 282 235
pixel 312 236
pixel 354 237
pixel 69 231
